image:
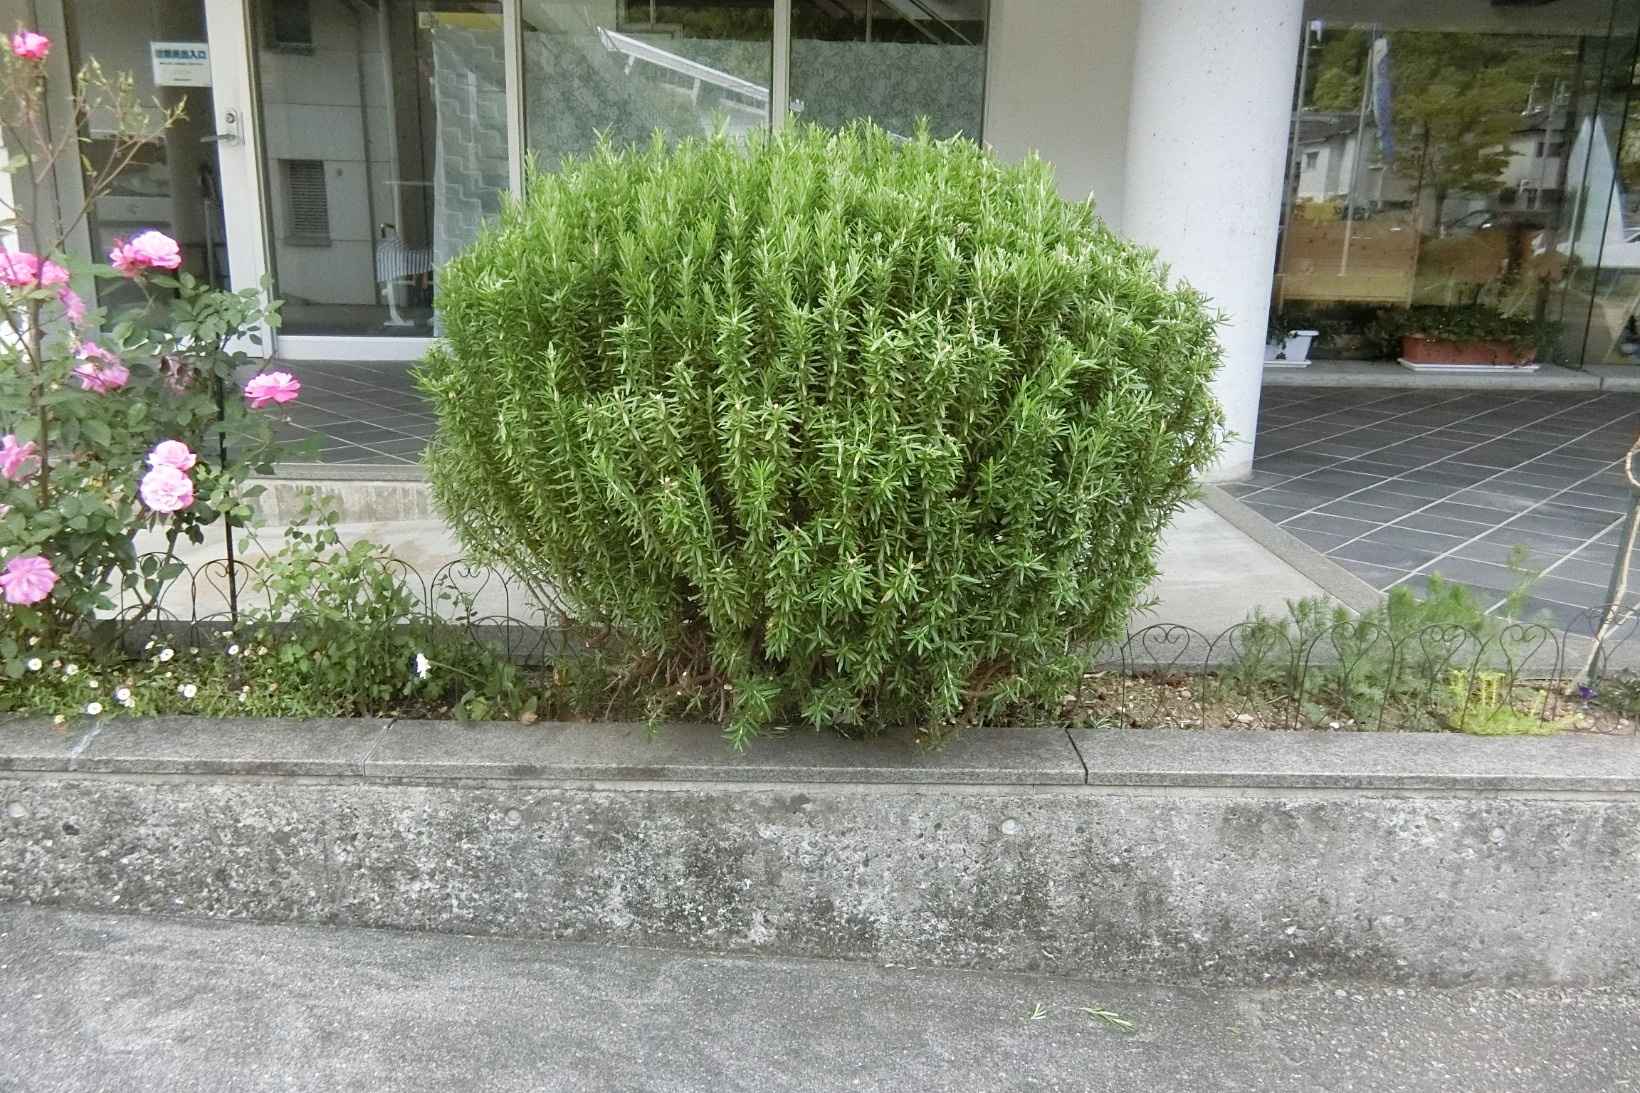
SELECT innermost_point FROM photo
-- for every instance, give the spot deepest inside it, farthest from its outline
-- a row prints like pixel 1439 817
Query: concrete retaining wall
pixel 1181 856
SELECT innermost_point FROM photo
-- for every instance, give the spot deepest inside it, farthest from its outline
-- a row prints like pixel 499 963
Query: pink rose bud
pixel 149 249
pixel 30 45
pixel 271 387
pixel 166 489
pixel 15 458
pixel 73 306
pixel 28 580
pixel 172 453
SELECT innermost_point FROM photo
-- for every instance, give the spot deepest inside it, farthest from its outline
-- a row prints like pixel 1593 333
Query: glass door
pixel 384 142
pixel 170 184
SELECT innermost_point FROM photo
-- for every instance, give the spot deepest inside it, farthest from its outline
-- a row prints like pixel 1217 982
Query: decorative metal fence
pixel 1349 673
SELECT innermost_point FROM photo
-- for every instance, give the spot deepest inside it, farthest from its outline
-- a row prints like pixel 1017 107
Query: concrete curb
pixel 1390 375
pixel 1205 857
pixel 1338 582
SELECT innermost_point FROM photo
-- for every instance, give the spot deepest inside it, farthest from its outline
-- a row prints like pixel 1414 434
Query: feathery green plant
pixel 821 425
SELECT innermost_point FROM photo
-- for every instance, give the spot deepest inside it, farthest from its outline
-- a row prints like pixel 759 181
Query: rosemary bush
pixel 822 426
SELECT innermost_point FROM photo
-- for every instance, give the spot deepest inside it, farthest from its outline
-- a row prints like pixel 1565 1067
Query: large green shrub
pixel 829 426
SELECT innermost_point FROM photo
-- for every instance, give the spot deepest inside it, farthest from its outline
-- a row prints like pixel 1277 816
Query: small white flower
pixel 261 650
pixel 71 669
pixel 122 695
pixel 233 650
pixel 35 664
pixel 93 708
pixel 423 665
pixel 166 654
pixel 93 684
pixel 187 690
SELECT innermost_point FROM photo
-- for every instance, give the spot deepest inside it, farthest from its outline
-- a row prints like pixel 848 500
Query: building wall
pixel 1059 81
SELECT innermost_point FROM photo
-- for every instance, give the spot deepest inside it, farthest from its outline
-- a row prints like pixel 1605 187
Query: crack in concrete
pixel 1087 776
pixel 364 760
pixel 84 742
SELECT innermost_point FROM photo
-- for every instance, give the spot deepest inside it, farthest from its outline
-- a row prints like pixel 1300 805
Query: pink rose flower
pixel 149 249
pixel 30 45
pixel 73 306
pixel 271 387
pixel 15 458
pixel 166 489
pixel 28 580
pixel 52 274
pixel 91 351
pixel 99 370
pixel 19 268
pixel 172 453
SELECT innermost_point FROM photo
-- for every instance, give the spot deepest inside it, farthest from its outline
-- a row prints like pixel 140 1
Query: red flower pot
pixel 1421 350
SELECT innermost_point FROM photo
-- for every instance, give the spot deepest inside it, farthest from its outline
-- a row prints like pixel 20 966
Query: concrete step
pixel 362 493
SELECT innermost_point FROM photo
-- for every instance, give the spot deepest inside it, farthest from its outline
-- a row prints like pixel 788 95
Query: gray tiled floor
pixel 364 413
pixel 1475 486
pixel 1393 485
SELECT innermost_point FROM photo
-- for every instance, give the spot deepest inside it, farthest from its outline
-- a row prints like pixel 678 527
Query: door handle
pixel 230 121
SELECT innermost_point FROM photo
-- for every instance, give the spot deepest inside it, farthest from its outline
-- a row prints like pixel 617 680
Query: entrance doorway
pixel 384 131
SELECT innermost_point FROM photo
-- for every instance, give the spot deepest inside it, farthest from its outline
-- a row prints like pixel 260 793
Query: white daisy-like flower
pixel 34 664
pixel 71 669
pixel 166 654
pixel 233 650
pixel 93 684
pixel 122 695
pixel 423 665
pixel 187 690
pixel 93 708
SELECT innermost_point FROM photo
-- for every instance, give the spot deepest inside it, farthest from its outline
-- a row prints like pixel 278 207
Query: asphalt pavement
pixel 134 1003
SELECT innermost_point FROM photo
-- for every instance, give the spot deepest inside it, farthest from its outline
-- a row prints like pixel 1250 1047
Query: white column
pixel 1207 145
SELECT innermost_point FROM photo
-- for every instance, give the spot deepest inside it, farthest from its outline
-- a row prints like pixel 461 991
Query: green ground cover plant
pixel 821 426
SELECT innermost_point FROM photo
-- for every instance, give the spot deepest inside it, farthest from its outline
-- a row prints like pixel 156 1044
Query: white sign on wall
pixel 180 64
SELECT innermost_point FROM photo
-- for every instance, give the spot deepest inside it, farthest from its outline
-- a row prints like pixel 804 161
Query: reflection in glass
pixel 894 61
pixel 625 68
pixel 1439 165
pixel 385 134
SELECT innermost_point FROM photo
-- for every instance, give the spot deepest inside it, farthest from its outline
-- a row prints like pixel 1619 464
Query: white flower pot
pixel 1294 354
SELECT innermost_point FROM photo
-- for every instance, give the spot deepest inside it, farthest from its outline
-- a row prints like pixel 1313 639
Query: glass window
pixel 384 127
pixel 894 61
pixel 626 68
pixel 1460 155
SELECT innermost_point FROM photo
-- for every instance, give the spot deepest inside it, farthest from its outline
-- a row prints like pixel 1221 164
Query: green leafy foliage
pixel 1489 704
pixel 1474 323
pixel 1390 665
pixel 821 426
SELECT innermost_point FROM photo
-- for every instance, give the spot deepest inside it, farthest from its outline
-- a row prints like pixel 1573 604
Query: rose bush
pixel 109 427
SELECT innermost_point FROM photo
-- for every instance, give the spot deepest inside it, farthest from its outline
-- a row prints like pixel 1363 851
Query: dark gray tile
pixel 1339 526
pixel 1433 520
pixel 1394 555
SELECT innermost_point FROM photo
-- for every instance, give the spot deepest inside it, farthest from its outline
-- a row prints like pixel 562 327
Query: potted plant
pixel 1287 339
pixel 1460 339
